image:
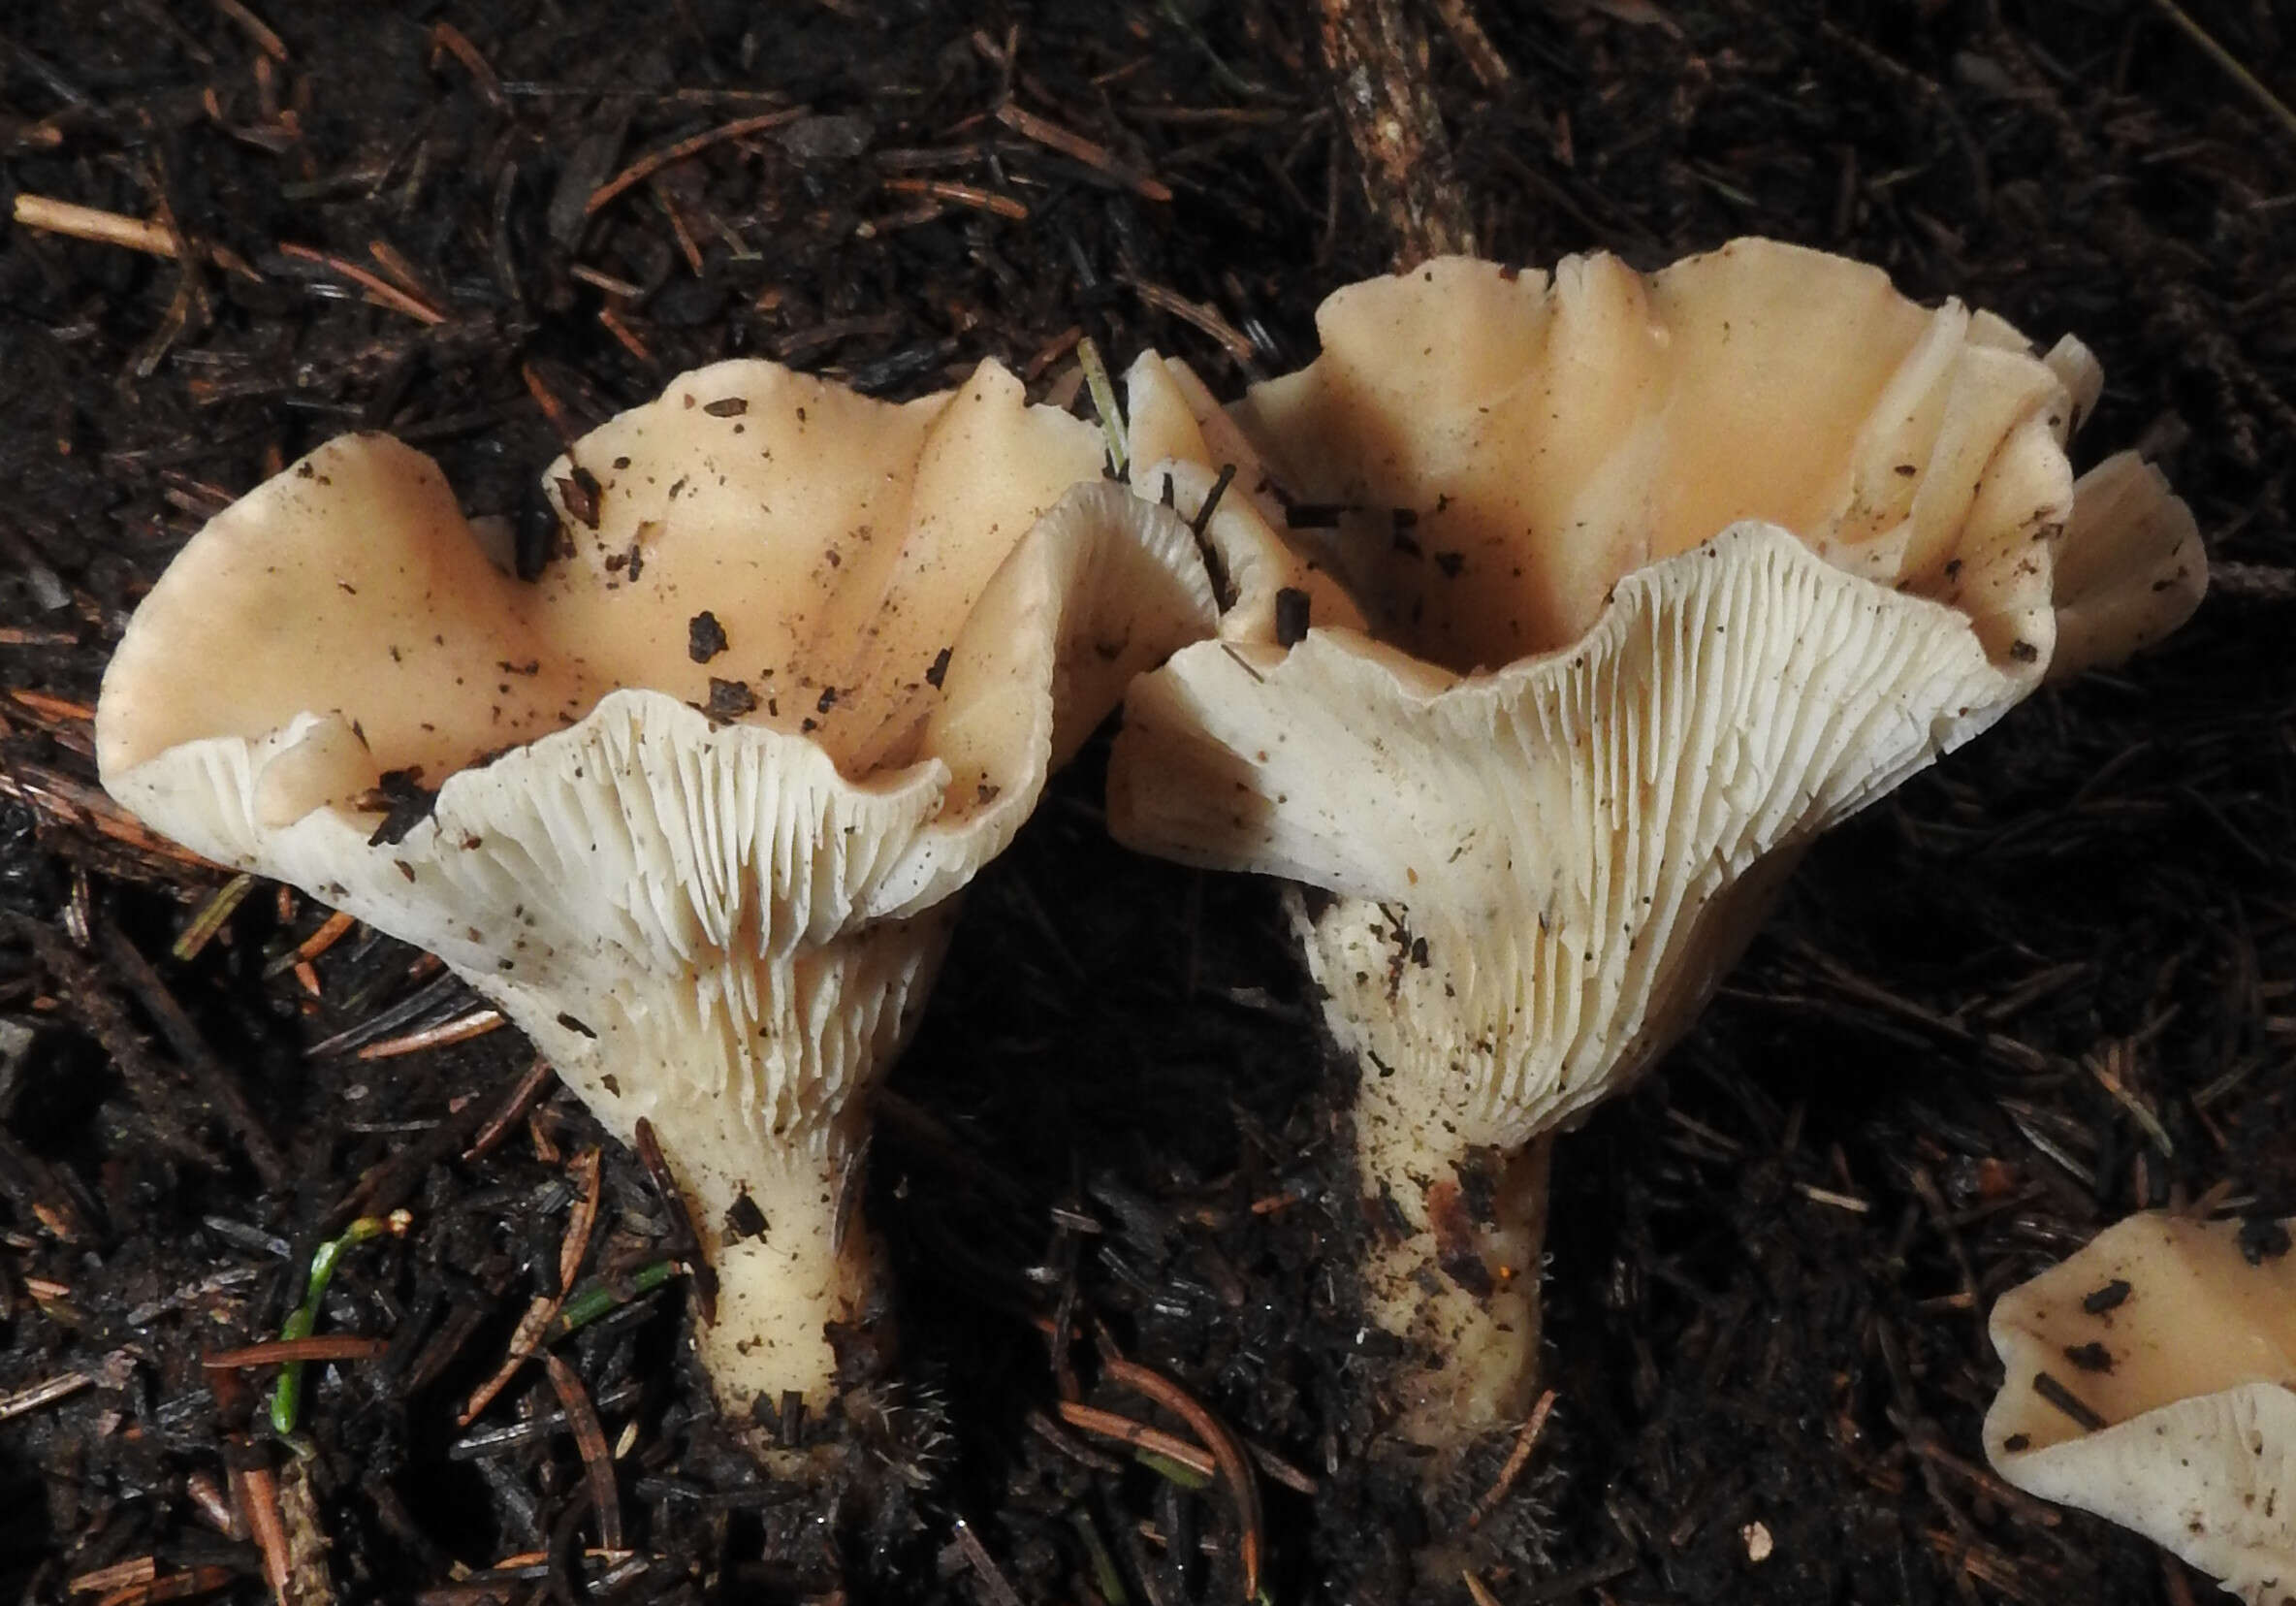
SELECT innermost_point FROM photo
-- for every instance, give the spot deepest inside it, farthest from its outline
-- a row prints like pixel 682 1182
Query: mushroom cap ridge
pixel 1538 863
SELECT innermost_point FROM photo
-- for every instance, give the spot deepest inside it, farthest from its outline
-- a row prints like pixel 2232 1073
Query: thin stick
pixel 108 227
pixel 258 1496
pixel 589 1436
pixel 964 195
pixel 477 1023
pixel 2069 1402
pixel 278 1352
pixel 1104 402
pixel 1098 157
pixel 53 708
pixel 1235 1468
pixel 120 1575
pixel 330 932
pixel 623 332
pixel 647 166
pixel 984 1567
pixel 59 801
pixel 685 1234
pixel 587 1168
pixel 1482 56
pixel 602 1297
pixel 522 1098
pixel 378 288
pixel 60 1386
pixel 1110 1424
pixel 212 1076
pixel 604 281
pixel 525 1339
pixel 1051 352
pixel 1517 1458
pixel 1377 54
pixel 2225 59
pixel 213 915
pixel 445 36
pixel 1206 318
pixel 265 40
pixel 388 257
pixel 105 227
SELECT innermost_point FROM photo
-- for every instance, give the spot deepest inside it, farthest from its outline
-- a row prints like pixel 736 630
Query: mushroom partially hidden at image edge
pixel 705 789
pixel 1657 577
pixel 2151 1380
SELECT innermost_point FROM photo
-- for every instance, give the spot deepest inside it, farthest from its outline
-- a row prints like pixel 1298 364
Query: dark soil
pixel 2047 983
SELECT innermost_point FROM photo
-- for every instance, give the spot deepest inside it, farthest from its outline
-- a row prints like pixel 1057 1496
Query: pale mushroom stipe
pixel 705 790
pixel 2151 1380
pixel 1653 579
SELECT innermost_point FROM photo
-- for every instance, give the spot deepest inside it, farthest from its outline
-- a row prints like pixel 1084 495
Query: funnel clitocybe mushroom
pixel 1663 575
pixel 705 789
pixel 2152 1379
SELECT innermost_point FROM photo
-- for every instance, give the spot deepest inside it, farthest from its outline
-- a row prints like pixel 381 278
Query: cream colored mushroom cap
pixel 923 631
pixel 1543 436
pixel 1661 577
pixel 2185 1351
pixel 1181 444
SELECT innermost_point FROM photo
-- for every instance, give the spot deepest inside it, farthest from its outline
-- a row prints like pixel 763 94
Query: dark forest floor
pixel 2048 983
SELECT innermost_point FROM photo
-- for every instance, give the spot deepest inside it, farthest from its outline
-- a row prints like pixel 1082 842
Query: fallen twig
pixel 279 1352
pixel 647 166
pixel 461 1029
pixel 63 1386
pixel 1235 1468
pixel 216 1082
pixel 597 1462
pixel 1378 51
pixel 1098 157
pixel 1517 1459
pixel 379 290
pixel 108 227
pixel 1110 1424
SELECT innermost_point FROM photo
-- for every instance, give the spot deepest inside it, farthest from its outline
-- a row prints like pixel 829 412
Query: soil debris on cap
pixel 705 638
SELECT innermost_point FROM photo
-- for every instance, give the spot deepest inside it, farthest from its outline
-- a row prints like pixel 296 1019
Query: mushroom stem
pixel 792 1258
pixel 1458 1189
pixel 771 1186
pixel 1452 1270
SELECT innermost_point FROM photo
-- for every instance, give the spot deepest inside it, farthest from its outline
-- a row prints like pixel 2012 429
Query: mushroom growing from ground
pixel 692 806
pixel 1663 575
pixel 2151 1380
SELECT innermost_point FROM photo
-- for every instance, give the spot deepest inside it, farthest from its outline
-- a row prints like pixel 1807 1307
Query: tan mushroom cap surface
pixel 1657 577
pixel 837 540
pixel 2181 1348
pixel 1543 436
pixel 1662 574
pixel 1181 442
pixel 724 922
